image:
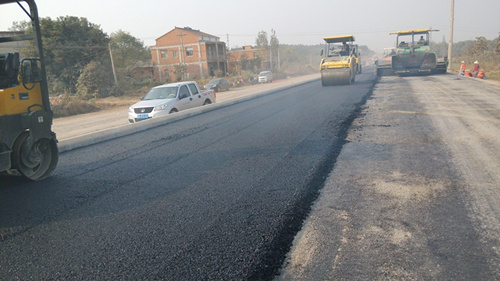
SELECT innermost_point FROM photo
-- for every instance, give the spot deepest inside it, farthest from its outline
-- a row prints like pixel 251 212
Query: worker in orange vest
pixel 462 68
pixel 476 68
pixel 481 75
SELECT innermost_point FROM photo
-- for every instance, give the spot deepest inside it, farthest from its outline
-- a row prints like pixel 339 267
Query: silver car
pixel 169 98
pixel 265 77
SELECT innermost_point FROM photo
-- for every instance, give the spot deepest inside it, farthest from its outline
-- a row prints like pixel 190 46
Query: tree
pixel 70 43
pixel 95 81
pixel 481 45
pixel 127 50
pixel 262 45
pixel 274 50
pixel 179 71
pixel 497 46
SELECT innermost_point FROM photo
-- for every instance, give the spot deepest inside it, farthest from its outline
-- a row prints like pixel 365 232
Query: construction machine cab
pixel 9 69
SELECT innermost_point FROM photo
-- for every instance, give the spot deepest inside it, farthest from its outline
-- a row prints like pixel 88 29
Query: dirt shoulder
pixel 415 193
pixel 79 125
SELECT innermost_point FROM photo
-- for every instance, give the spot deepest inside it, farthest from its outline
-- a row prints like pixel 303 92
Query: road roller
pixel 28 147
pixel 338 65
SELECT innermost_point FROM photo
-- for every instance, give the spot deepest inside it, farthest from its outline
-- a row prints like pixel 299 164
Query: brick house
pixel 245 58
pixel 187 54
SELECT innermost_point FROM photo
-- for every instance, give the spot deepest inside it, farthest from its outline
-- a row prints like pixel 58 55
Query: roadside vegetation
pixel 486 52
pixel 80 59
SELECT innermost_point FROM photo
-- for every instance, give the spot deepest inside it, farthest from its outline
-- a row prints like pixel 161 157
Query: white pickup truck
pixel 169 98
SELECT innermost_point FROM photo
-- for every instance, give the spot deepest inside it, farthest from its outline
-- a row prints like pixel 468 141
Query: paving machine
pixel 413 54
pixel 28 147
pixel 338 65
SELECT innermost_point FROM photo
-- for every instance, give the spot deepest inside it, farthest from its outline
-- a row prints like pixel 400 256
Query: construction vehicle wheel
pixel 36 162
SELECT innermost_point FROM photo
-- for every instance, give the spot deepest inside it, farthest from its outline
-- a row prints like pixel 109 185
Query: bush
pixel 95 81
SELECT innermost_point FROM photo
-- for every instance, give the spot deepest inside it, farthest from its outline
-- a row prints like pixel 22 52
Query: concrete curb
pixel 108 134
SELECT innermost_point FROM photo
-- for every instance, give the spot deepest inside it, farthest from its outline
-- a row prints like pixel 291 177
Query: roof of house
pixel 190 30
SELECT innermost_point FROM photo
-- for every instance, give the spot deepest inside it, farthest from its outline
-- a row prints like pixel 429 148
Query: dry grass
pixel 69 106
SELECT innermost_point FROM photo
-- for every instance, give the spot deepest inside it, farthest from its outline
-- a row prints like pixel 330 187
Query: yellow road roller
pixel 338 65
pixel 28 147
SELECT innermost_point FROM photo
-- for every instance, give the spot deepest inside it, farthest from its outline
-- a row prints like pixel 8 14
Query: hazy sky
pixel 295 21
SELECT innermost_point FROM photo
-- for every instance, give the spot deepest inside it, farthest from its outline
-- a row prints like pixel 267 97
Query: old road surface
pixel 415 193
pixel 395 179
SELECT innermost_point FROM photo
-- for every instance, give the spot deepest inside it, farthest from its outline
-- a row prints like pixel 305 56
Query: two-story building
pixel 187 54
pixel 244 58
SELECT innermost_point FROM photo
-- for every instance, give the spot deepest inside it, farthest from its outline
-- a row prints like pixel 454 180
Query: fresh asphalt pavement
pixel 218 195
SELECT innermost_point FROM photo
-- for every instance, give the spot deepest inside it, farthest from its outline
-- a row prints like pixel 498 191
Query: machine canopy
pixel 339 39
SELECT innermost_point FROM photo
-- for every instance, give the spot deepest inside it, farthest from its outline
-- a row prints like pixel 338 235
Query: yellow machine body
pixel 17 100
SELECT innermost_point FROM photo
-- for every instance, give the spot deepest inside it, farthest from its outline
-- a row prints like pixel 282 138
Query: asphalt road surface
pixel 216 196
pixel 103 120
pixel 415 193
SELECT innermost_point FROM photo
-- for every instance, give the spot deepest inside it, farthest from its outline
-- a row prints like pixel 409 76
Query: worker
pixel 345 49
pixel 462 68
pixel 481 75
pixel 476 68
pixel 422 41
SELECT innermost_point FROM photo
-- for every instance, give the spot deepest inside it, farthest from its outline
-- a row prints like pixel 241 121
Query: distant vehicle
pixel 218 85
pixel 265 77
pixel 169 98
pixel 414 56
pixel 339 63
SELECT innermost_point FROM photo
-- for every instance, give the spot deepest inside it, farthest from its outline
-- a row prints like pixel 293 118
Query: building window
pixel 174 54
pixel 163 54
pixel 189 51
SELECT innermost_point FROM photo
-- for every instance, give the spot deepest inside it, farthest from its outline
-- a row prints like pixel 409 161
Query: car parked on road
pixel 218 85
pixel 169 98
pixel 265 77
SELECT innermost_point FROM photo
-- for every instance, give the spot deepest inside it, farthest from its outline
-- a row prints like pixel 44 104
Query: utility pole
pixel 182 55
pixel 450 44
pixel 182 46
pixel 112 64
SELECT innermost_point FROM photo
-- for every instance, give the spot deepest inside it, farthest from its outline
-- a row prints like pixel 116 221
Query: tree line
pixel 78 57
